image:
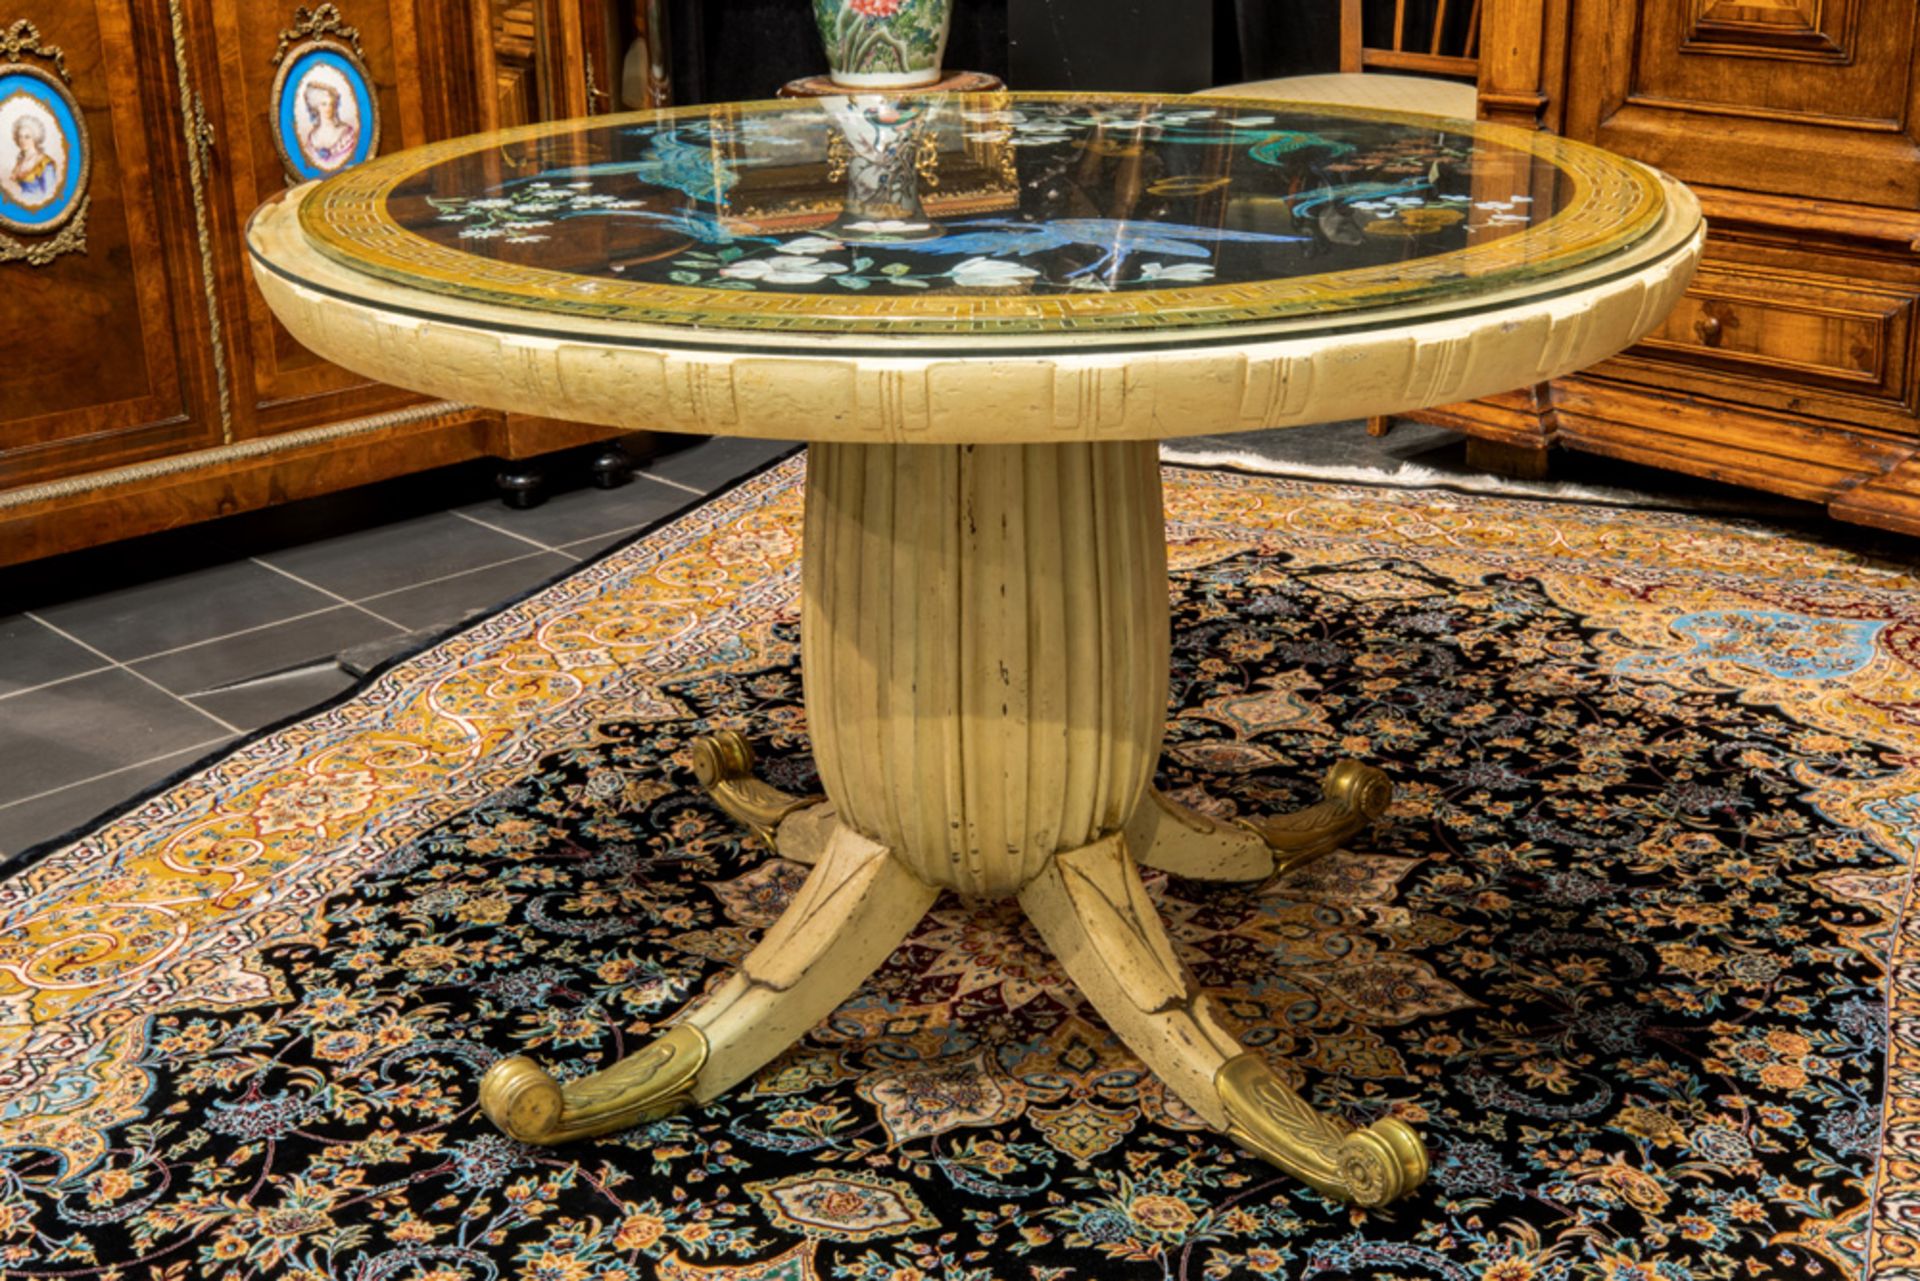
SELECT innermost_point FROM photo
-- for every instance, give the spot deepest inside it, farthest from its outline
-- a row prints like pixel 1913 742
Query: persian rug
pixel 1632 948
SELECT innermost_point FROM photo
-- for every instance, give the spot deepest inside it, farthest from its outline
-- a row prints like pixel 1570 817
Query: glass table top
pixel 991 214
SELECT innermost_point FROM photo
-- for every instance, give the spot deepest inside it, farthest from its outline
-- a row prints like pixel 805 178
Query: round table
pixel 983 310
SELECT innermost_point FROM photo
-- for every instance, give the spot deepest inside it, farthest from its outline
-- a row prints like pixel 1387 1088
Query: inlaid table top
pixel 853 268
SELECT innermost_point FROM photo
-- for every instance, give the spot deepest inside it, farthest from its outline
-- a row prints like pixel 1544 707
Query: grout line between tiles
pixel 58 680
pixel 82 782
pixel 222 722
pixel 177 649
pixel 265 564
pixel 226 636
pixel 672 484
pixel 501 529
pixel 447 578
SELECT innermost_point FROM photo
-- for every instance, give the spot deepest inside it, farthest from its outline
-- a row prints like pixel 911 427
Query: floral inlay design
pixel 997 200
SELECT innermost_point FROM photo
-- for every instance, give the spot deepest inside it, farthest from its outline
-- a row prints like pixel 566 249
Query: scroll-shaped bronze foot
pixel 1353 796
pixel 520 1098
pixel 1371 1166
pixel 723 763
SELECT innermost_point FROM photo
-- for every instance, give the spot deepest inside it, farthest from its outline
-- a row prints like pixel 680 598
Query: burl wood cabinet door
pixel 1813 98
pixel 105 314
pixel 301 91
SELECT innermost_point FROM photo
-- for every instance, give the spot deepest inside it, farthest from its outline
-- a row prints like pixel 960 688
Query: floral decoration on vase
pixel 884 44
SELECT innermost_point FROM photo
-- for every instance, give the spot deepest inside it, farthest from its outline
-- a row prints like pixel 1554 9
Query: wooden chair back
pixel 1459 57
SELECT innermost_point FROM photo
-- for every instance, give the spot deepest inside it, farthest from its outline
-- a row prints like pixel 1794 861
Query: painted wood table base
pixel 985 647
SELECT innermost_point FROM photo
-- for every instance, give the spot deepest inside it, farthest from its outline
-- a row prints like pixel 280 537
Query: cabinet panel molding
pixel 1793 363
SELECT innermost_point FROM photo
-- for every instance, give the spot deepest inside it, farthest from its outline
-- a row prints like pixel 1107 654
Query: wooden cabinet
pixel 109 338
pixel 1793 364
pixel 150 386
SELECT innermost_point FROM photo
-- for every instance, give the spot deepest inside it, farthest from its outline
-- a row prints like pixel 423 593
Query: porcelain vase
pixel 884 44
pixel 883 150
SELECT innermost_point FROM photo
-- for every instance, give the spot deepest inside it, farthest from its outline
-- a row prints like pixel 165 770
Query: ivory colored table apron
pixel 984 311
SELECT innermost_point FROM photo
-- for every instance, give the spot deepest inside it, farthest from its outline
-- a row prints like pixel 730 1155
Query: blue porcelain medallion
pixel 326 118
pixel 45 157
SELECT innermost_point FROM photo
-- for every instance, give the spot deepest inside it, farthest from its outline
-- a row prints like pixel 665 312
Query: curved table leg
pixel 856 906
pixel 791 825
pixel 1168 835
pixel 723 763
pixel 1093 911
pixel 1185 842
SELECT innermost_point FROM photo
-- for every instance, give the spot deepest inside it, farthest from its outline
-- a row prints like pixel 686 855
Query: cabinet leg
pixel 612 467
pixel 1516 462
pixel 521 485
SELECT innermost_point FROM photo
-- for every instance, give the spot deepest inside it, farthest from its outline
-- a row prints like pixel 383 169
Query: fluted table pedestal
pixel 984 647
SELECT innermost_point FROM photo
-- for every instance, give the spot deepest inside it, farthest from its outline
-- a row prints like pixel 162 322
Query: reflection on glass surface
pixel 986 197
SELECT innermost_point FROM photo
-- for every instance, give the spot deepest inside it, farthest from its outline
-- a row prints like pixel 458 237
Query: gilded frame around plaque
pixel 46 152
pixel 320 52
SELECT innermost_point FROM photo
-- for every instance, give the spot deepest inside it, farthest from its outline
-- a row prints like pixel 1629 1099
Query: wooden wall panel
pixel 1809 98
pixel 279 385
pixel 148 386
pixel 1793 364
pixel 109 357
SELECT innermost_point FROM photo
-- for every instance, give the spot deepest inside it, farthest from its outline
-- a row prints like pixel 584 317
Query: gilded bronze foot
pixel 723 763
pixel 520 1097
pixel 1352 797
pixel 1185 842
pixel 1371 1166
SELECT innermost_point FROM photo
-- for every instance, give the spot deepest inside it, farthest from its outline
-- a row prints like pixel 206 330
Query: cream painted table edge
pixel 985 634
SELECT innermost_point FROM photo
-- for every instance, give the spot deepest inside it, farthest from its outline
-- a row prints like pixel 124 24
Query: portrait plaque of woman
pixel 43 151
pixel 326 118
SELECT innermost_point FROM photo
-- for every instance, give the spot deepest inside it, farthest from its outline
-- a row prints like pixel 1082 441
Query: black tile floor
pixel 125 664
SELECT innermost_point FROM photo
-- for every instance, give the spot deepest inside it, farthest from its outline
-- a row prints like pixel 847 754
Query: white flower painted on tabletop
pixel 990 273
pixel 886 224
pixel 813 245
pixel 1186 271
pixel 783 269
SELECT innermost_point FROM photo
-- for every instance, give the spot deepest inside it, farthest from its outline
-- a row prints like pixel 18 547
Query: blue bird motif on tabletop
pixel 1271 151
pixel 689 168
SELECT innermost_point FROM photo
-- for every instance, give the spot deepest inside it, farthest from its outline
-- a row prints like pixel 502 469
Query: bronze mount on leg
pixel 723 763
